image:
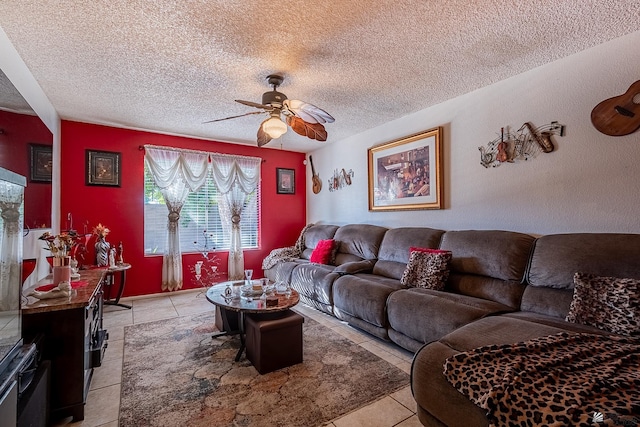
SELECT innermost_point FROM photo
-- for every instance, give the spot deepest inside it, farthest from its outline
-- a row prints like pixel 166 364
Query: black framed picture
pixel 285 181
pixel 41 162
pixel 103 168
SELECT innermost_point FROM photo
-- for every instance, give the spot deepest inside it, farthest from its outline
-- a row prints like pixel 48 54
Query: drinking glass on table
pixel 247 275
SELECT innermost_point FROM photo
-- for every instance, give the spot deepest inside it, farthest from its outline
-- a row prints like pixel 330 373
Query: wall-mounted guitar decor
pixel 315 178
pixel 619 115
pixel 524 144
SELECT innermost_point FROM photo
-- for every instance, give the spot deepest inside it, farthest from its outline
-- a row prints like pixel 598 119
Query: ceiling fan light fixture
pixel 274 127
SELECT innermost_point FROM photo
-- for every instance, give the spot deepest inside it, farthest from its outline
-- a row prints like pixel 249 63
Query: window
pixel 199 215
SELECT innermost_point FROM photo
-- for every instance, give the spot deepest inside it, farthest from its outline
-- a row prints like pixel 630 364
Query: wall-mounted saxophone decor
pixel 524 144
pixel 339 179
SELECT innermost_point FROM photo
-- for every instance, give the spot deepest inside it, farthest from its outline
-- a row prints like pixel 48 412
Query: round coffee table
pixel 241 306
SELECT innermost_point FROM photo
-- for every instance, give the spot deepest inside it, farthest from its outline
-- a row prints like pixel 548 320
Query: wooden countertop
pixel 79 298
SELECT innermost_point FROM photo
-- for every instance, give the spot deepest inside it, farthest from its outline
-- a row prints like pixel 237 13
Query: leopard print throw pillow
pixel 608 303
pixel 427 269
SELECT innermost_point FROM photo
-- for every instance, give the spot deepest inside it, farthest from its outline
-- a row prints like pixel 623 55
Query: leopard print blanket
pixel 557 380
pixel 289 253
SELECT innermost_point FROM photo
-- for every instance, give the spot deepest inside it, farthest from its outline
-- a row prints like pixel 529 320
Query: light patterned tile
pixel 394 349
pixel 194 306
pixel 103 406
pixel 405 397
pixel 110 373
pixel 116 333
pixel 114 349
pixel 385 412
pixel 155 303
pixel 149 315
pixel 187 296
pixel 404 366
pixel 410 422
pixel 352 334
pixel 369 345
pixel 118 318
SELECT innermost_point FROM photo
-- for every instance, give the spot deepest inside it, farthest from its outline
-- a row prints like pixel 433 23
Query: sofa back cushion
pixel 488 264
pixel 314 234
pixel 394 249
pixel 557 257
pixel 358 241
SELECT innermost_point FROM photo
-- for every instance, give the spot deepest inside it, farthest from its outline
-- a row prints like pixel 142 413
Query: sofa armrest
pixel 354 267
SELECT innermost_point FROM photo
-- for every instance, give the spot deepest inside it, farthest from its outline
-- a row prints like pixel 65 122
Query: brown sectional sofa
pixel 504 287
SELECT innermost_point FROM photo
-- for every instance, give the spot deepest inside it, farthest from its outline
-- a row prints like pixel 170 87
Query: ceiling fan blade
pixel 310 130
pixel 317 130
pixel 234 117
pixel 263 138
pixel 297 125
pixel 305 110
pixel 254 104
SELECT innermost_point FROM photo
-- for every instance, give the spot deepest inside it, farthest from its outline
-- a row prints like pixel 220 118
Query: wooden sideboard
pixel 72 338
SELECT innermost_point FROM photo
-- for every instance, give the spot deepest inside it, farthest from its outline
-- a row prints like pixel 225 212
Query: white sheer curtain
pixel 177 173
pixel 11 196
pixel 237 179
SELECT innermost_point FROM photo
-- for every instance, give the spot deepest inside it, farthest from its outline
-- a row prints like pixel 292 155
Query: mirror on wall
pixel 25 148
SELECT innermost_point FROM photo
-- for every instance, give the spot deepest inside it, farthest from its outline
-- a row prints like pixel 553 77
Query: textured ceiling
pixel 168 66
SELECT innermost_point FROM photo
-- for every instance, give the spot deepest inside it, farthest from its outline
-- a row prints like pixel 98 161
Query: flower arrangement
pixel 101 231
pixel 60 245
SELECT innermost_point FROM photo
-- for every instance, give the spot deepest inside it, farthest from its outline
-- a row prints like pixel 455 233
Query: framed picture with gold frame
pixel 406 173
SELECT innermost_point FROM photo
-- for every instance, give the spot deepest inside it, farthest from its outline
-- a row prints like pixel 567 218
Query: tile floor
pixel 103 402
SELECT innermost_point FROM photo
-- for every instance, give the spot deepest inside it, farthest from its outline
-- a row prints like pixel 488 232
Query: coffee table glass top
pixel 216 296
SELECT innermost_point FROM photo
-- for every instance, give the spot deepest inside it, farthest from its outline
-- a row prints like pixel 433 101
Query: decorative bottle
pixel 102 252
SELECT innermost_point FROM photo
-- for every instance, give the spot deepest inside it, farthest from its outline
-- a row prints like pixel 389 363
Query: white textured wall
pixel 590 183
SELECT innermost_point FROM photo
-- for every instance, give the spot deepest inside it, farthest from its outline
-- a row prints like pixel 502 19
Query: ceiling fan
pixel 305 119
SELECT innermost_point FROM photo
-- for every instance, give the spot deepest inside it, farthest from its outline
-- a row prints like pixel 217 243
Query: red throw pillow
pixel 323 253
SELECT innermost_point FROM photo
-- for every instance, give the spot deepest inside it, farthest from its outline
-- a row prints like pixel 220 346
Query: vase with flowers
pixel 102 246
pixel 60 247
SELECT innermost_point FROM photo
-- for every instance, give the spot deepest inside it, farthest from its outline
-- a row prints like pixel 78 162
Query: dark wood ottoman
pixel 274 341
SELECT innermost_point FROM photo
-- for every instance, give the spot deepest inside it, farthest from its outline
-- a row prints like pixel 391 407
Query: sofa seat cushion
pixel 364 296
pixel 426 315
pixel 314 281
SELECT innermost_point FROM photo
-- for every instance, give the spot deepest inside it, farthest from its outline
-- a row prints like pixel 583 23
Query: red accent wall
pixel 121 209
pixel 20 130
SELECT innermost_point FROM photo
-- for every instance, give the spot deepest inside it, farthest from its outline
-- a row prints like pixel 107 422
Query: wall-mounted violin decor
pixel 524 144
pixel 619 115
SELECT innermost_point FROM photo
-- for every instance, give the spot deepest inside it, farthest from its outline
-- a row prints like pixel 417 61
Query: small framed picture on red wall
pixel 103 168
pixel 285 181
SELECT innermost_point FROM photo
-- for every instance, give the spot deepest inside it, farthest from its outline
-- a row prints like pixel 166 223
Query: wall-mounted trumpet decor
pixel 339 179
pixel 524 144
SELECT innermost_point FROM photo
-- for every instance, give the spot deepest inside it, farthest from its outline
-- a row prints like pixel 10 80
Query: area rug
pixel 175 374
